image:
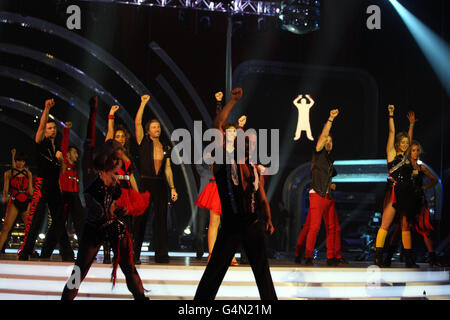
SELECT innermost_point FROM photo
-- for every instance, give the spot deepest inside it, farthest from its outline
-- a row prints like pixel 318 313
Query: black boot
pixel 432 260
pixel 106 253
pixel 390 253
pixel 379 257
pixel 409 260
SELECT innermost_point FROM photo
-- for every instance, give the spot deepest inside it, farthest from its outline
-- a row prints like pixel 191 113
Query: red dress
pixel 133 201
pixel 209 198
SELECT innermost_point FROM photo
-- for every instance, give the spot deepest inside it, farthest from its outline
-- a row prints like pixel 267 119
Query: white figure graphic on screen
pixel 303 116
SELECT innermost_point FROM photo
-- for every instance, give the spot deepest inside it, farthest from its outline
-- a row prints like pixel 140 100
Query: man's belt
pixel 123 177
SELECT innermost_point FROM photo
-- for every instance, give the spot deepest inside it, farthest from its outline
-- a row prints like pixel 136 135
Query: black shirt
pixel 146 161
pixel 48 166
pixel 322 170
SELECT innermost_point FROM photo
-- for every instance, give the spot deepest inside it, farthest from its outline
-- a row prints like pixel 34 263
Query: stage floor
pixel 178 280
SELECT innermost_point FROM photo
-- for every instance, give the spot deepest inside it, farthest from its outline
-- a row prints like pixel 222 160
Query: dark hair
pixel 20 156
pixel 147 125
pixel 121 127
pixel 73 147
pixel 104 157
pixel 50 120
pixel 415 143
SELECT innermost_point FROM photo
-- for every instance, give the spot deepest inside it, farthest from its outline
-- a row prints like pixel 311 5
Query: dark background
pixel 390 57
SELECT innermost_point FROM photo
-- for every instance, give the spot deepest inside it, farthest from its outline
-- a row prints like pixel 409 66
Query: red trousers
pixel 326 208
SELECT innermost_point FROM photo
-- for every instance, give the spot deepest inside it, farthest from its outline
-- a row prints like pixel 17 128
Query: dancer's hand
pixel 242 120
pixel 113 109
pixel 145 98
pixel 174 195
pixel 412 118
pixel 13 153
pixel 49 103
pixel 269 227
pixel 333 186
pixel 68 124
pixel 59 156
pixel 334 113
pixel 236 94
pixel 219 96
pixel 391 109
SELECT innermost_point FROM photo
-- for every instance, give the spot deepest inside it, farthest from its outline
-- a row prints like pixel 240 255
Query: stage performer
pixel 322 204
pixel 243 202
pixel 423 223
pixel 399 193
pixel 105 223
pixel 69 181
pixel 209 197
pixel 17 190
pixel 47 190
pixel 156 174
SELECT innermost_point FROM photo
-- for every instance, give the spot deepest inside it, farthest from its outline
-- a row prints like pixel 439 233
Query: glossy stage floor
pixel 178 280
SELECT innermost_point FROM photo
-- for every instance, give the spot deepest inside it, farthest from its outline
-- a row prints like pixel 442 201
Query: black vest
pixel 146 161
pixel 322 170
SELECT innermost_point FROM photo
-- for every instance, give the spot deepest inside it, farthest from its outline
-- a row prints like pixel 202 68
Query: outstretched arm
pixel 110 134
pixel 326 130
pixel 44 118
pixel 139 130
pixel 390 147
pixel 65 139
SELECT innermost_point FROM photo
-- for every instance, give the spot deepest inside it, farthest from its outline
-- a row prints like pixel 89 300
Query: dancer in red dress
pixel 17 190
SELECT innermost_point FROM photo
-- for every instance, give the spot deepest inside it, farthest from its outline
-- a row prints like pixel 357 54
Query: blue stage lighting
pixel 435 49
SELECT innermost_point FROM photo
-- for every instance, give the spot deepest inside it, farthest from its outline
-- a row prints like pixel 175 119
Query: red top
pixel 19 186
pixel 69 179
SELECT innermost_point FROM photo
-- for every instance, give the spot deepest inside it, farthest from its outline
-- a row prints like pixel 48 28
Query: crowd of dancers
pixel 117 208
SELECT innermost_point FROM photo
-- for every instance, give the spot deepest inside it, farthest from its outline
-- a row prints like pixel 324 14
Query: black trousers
pixel 89 245
pixel 47 193
pixel 73 207
pixel 200 231
pixel 158 206
pixel 253 240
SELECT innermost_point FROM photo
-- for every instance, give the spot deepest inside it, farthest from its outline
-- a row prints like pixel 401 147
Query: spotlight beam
pixel 435 49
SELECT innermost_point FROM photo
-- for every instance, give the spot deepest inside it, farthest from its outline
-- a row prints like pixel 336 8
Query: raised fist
pixel 219 96
pixel 236 94
pixel 391 109
pixel 13 152
pixel 49 103
pixel 242 120
pixel 145 98
pixel 68 124
pixel 59 155
pixel 334 113
pixel 114 109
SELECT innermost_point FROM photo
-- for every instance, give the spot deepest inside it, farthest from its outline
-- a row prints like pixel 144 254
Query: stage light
pixel 435 49
pixel 187 231
pixel 300 16
pixel 41 236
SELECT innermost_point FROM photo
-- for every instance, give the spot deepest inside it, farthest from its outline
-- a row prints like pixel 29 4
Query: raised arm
pixel 326 130
pixel 44 118
pixel 219 102
pixel 65 139
pixel 296 100
pixel 221 118
pixel 169 178
pixel 311 101
pixel 390 147
pixel 412 120
pixel 110 133
pixel 139 130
